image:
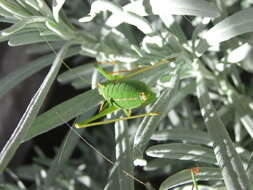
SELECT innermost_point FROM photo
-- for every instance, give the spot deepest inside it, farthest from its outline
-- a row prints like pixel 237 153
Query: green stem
pixel 195 184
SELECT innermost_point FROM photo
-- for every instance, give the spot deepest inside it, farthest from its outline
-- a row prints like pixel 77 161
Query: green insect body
pixel 126 94
pixel 120 92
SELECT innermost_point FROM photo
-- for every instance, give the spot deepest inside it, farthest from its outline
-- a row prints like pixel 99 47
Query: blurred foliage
pixel 201 96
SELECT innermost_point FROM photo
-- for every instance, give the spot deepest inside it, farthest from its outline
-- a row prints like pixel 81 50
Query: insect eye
pixel 143 97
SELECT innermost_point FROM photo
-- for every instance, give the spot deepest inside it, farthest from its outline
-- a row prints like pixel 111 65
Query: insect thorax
pixel 126 94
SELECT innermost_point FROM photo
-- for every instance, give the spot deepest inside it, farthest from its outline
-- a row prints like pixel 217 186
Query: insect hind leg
pixel 80 125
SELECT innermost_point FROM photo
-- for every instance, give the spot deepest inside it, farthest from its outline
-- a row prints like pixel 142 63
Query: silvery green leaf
pixel 13 79
pixel 189 135
pixel 6 16
pixel 149 124
pixel 32 110
pixel 239 53
pixel 76 73
pixel 122 171
pixel 250 167
pixel 21 3
pixel 33 4
pixel 173 27
pixel 88 182
pixel 242 105
pixel 137 7
pixel 162 164
pixel 63 112
pixel 44 8
pixel 170 7
pixel 64 153
pixel 81 83
pixel 130 18
pixel 57 5
pixel 30 38
pixel 98 6
pixel 115 43
pixel 246 64
pixel 201 47
pixel 59 29
pixel 119 16
pixel 21 24
pixel 28 171
pixel 232 170
pixel 184 177
pixel 169 99
pixel 14 9
pixel 184 7
pixel 43 48
pixel 182 151
pixel 152 44
pixel 15 27
pixel 199 28
pixel 232 26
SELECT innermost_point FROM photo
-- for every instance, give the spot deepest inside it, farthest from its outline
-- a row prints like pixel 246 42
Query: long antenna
pixel 76 132
pixel 98 152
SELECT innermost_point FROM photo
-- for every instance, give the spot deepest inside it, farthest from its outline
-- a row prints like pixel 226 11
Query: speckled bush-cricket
pixel 120 92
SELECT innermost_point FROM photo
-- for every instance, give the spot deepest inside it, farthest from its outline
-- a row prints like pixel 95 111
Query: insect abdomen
pixel 126 94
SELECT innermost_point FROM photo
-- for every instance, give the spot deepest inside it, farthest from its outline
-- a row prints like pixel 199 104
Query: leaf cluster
pixel 204 102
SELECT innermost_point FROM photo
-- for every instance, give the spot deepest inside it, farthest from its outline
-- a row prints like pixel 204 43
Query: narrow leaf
pixel 231 165
pixel 21 24
pixel 16 77
pixel 237 24
pixel 165 103
pixel 33 4
pixel 250 168
pixel 119 16
pixel 76 73
pixel 121 175
pixel 64 153
pixel 182 151
pixel 193 136
pixel 30 38
pixel 184 177
pixel 123 151
pixel 242 105
pixel 14 9
pixel 170 7
pixel 14 28
pixel 149 124
pixel 174 27
pixel 239 53
pixel 57 5
pixel 31 112
pixel 64 112
pixel 59 29
pixel 44 8
pixel 81 84
pixel 184 7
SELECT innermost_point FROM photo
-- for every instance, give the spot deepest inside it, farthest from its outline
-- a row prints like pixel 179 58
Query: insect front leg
pixel 127 112
pixel 103 105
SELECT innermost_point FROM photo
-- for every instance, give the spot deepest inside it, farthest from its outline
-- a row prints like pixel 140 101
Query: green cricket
pixel 120 92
